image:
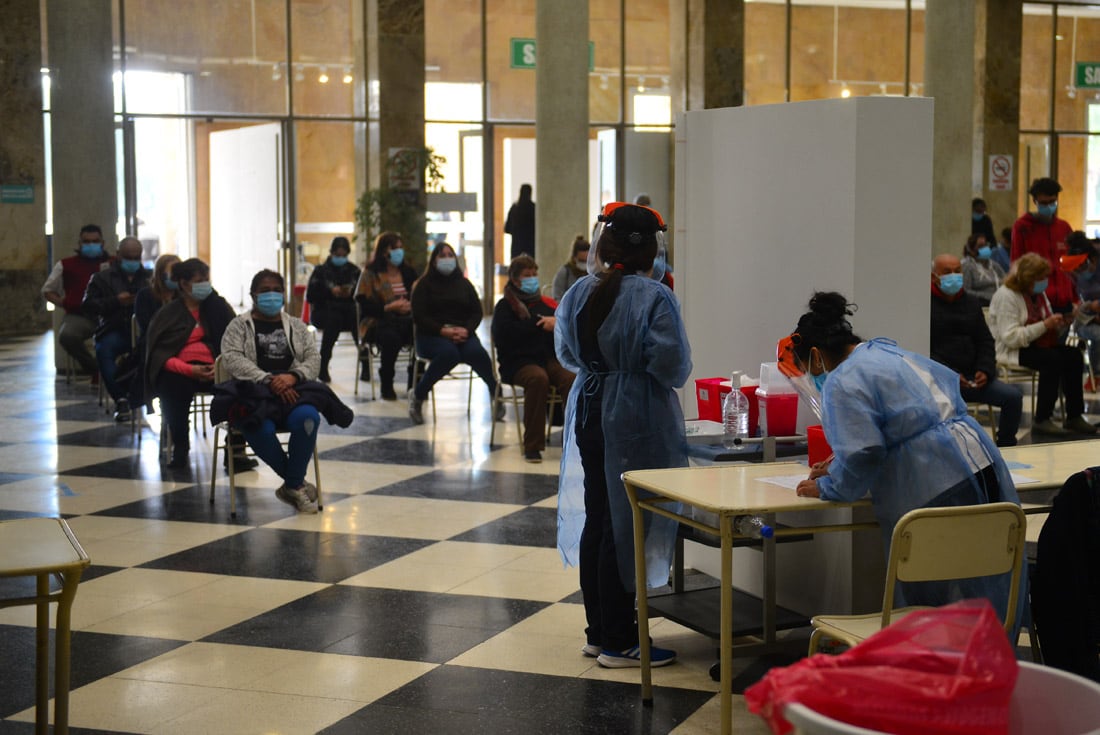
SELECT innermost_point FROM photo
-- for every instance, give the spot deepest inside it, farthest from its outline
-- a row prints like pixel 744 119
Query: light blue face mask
pixel 977 216
pixel 1046 210
pixel 129 266
pixel 446 266
pixel 1040 286
pixel 985 252
pixel 397 256
pixel 529 285
pixel 91 249
pixel 170 284
pixel 819 379
pixel 951 283
pixel 339 260
pixel 269 303
pixel 201 289
pixel 659 268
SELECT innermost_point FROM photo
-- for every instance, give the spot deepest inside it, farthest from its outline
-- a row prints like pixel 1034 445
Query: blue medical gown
pixel 899 430
pixel 645 346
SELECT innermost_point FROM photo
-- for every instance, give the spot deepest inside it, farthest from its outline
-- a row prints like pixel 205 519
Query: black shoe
pixel 364 374
pixel 241 463
pixel 122 410
pixel 414 409
pixel 534 456
pixel 179 462
pixel 324 377
pixel 388 393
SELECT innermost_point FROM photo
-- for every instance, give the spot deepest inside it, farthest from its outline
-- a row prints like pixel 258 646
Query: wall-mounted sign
pixel 16 194
pixel 522 53
pixel 1000 172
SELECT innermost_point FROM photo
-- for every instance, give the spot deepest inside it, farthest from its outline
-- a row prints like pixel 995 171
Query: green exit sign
pixel 1088 74
pixel 522 53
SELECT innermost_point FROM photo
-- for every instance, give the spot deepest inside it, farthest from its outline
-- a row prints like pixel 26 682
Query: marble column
pixel 999 128
pixel 22 164
pixel 561 129
pixel 399 30
pixel 715 53
pixel 82 120
pixel 949 78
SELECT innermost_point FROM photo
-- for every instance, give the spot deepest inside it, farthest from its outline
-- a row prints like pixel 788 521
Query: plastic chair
pixel 931 544
pixel 223 444
pixel 976 409
pixel 515 395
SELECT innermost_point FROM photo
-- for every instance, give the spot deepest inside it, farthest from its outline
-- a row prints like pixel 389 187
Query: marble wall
pixel 23 265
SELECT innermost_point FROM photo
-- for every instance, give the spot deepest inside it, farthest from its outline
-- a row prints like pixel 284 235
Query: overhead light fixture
pixel 323 76
pixel 845 92
pixel 603 81
pixel 348 78
pixel 276 72
pixel 299 75
pixel 641 85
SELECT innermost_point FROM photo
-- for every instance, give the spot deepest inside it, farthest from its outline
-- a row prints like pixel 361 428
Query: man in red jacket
pixel 1043 233
pixel 65 288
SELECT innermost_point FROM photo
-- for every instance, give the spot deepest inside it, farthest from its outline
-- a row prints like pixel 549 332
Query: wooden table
pixel 39 548
pixel 728 491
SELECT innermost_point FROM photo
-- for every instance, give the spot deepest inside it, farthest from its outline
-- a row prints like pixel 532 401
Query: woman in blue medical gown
pixel 621 332
pixel 899 430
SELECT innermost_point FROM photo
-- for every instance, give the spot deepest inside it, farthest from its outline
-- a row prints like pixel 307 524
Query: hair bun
pixel 631 219
pixel 831 306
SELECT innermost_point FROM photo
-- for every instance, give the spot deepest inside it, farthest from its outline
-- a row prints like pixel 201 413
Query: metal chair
pixel 461 371
pixel 369 353
pixel 931 544
pixel 516 396
pixel 221 442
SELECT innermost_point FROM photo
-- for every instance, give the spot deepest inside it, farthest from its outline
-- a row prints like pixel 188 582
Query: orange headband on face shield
pixel 788 361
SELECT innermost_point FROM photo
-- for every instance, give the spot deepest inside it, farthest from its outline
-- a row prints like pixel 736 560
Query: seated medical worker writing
pixel 899 431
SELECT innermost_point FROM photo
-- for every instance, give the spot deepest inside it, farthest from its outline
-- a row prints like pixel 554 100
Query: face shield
pixel 797 373
pixel 598 264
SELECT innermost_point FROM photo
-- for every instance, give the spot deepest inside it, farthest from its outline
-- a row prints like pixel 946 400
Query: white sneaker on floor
pixel 298 499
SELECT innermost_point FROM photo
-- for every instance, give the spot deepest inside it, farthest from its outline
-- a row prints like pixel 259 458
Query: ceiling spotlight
pixel 348 78
pixel 603 81
pixel 276 72
pixel 845 92
pixel 299 75
pixel 323 76
pixel 641 85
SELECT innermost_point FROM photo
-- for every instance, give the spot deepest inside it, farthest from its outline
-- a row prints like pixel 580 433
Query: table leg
pixel 768 553
pixel 725 653
pixel 63 652
pixel 42 656
pixel 641 594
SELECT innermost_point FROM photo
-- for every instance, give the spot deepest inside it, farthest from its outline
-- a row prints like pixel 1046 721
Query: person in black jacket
pixel 960 339
pixel 110 299
pixel 520 223
pixel 447 310
pixel 331 295
pixel 980 223
pixel 183 340
pixel 384 307
pixel 523 332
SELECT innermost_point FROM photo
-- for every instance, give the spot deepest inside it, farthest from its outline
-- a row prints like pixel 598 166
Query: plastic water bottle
pixel 753 527
pixel 735 415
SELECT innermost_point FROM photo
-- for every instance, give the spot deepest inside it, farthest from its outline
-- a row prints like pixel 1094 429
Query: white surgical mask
pixel 446 266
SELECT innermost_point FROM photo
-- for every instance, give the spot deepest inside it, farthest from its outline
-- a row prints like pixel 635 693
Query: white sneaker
pixel 311 491
pixel 298 499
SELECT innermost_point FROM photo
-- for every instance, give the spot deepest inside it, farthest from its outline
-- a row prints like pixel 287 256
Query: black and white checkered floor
pixel 428 596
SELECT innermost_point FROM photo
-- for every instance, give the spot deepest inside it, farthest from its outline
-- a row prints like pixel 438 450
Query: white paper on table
pixel 1018 479
pixel 788 481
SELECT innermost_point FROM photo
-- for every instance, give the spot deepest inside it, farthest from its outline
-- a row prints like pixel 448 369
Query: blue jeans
pixel 1007 397
pixel 110 346
pixel 444 354
pixel 292 463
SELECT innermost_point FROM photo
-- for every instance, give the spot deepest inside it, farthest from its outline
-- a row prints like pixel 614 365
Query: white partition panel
pixel 773 203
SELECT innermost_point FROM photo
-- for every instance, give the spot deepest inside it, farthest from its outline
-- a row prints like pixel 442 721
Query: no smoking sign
pixel 1000 172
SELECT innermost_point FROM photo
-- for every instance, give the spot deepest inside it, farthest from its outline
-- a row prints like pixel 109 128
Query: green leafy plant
pixel 395 205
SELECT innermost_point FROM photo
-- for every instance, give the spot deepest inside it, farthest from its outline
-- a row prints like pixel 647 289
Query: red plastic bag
pixel 942 670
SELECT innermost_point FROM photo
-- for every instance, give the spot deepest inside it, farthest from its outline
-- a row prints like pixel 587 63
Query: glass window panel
pixel 1034 163
pixel 604 88
pixel 765 40
pixel 452 41
pixel 324 37
pixel 1073 176
pixel 461 146
pixel 229 49
pixel 871 49
pixel 647 59
pixel 813 63
pixel 511 91
pixel 326 185
pixel 1035 68
pixel 916 53
pixel 1078 40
